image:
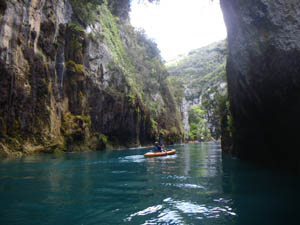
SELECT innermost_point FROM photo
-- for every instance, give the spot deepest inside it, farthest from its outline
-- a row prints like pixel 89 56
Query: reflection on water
pixel 149 210
pixel 196 186
pixel 174 212
pixel 184 185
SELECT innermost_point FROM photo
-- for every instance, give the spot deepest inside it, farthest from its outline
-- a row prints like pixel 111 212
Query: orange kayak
pixel 154 154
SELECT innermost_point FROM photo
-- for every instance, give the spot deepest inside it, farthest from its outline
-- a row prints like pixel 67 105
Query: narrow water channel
pixel 198 185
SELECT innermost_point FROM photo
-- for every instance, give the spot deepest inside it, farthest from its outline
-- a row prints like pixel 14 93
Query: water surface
pixel 196 186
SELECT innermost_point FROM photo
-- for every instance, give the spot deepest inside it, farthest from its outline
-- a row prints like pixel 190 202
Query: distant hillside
pixel 200 77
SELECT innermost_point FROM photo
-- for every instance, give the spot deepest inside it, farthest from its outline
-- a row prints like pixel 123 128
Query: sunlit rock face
pixel 67 86
pixel 263 73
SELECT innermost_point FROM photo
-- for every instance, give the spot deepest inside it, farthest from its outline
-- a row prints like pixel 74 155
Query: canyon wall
pixel 75 83
pixel 263 80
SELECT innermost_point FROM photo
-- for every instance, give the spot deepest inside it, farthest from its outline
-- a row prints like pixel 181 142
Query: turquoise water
pixel 198 185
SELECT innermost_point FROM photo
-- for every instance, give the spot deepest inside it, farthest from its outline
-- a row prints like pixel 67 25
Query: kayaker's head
pixel 156 143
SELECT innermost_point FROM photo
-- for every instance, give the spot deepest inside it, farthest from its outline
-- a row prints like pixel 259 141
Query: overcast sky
pixel 178 26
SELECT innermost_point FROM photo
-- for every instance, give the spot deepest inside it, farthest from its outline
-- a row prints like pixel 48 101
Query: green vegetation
pixel 200 78
pixel 122 90
pixel 74 129
pixel 212 102
pixel 198 124
pixel 75 40
pixel 84 11
pixel 113 39
pixel 39 56
pixel 137 60
pixel 201 69
pixel 73 68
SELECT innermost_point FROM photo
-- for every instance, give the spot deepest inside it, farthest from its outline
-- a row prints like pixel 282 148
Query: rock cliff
pixel 75 80
pixel 263 79
pixel 200 75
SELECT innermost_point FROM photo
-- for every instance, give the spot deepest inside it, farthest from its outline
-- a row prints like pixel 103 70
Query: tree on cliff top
pixel 84 10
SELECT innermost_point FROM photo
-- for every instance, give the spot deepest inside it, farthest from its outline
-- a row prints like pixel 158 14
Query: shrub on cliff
pixel 85 13
pixel 198 124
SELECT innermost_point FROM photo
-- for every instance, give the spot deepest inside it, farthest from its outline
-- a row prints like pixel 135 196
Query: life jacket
pixel 157 148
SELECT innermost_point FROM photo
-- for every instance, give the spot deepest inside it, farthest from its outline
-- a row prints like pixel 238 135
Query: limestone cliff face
pixel 74 87
pixel 263 79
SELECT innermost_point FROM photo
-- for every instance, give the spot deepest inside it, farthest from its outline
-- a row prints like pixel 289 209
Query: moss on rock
pixel 76 131
pixel 75 69
pixel 75 43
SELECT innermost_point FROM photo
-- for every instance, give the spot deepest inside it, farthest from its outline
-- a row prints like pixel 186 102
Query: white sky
pixel 178 26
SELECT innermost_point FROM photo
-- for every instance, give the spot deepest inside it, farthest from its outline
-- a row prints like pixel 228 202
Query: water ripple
pixel 149 210
pixel 177 212
pixel 176 177
pixel 199 185
pixel 192 186
pixel 169 217
pixel 203 210
pixel 132 158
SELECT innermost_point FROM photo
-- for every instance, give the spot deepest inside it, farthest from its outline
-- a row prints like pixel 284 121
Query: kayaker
pixel 157 147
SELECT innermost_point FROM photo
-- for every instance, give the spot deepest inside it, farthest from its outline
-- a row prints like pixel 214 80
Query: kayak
pixel 155 154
